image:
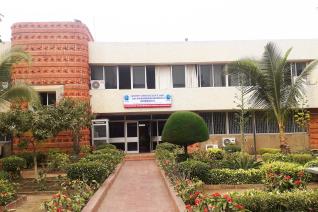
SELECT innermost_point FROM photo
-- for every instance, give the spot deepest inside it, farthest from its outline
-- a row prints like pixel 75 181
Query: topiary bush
pixel 301 158
pixel 262 151
pixel 185 128
pixel 235 176
pixel 13 165
pixel 195 169
pixel 88 171
pixel 216 154
pixel 261 201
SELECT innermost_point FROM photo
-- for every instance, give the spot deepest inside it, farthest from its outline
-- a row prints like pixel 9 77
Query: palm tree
pixel 273 87
pixel 18 91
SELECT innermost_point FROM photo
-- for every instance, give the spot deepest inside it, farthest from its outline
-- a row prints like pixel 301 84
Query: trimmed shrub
pixel 313 163
pixel 166 146
pixel 238 176
pixel 218 164
pixel 105 146
pixel 285 168
pixel 88 171
pixel 300 158
pixel 232 148
pixel 262 151
pixel 216 154
pixel 7 192
pixel 13 165
pixel 185 128
pixel 261 201
pixel 57 161
pixel 110 159
pixel 195 169
pixel 200 155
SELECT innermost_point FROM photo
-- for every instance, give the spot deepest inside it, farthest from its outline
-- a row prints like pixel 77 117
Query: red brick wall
pixel 313 129
pixel 59 53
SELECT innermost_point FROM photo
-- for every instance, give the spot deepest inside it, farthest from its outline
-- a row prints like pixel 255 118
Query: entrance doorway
pixel 144 136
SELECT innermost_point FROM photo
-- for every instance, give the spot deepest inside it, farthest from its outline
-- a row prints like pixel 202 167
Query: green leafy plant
pixel 105 146
pixel 282 183
pixel 313 163
pixel 28 156
pixel 166 146
pixel 13 165
pixel 243 161
pixel 185 128
pixel 187 189
pixel 216 154
pixel 8 192
pixel 301 158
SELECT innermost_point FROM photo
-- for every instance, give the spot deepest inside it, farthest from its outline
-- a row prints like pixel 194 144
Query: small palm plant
pixel 273 88
pixel 10 92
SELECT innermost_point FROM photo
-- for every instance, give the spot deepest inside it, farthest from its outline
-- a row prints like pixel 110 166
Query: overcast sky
pixel 172 20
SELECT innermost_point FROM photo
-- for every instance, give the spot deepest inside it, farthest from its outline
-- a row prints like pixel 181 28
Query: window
pixel 116 129
pixel 161 124
pixel 132 129
pixel 178 76
pixel 47 98
pixel 207 117
pixel 219 120
pixel 211 75
pixel 99 131
pixel 297 68
pixel 234 80
pixel 151 77
pixel 261 122
pixel 205 75
pixel 219 75
pixel 234 125
pixel 97 73
pixel 110 77
pixel 138 76
pixel 124 77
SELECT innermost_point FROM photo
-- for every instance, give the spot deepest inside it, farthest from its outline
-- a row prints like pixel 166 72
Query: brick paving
pixel 139 187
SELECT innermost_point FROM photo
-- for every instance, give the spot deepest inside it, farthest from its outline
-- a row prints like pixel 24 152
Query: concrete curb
pixel 96 200
pixel 178 202
pixel 15 203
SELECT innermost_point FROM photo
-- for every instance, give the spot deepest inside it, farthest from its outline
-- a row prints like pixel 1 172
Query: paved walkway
pixel 139 187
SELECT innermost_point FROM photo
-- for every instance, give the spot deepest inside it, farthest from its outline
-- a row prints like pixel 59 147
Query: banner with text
pixel 147 101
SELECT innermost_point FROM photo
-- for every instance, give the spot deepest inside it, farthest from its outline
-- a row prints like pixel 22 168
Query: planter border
pixel 95 201
pixel 14 203
pixel 178 202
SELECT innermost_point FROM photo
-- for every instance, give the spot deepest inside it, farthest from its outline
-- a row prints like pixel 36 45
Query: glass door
pixel 132 136
pixel 100 131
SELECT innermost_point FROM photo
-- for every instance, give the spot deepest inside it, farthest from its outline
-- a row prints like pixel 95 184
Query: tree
pixel 75 115
pixel 34 126
pixel 18 91
pixel 185 128
pixel 273 88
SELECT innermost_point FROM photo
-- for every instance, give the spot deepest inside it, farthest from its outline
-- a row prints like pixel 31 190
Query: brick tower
pixel 59 53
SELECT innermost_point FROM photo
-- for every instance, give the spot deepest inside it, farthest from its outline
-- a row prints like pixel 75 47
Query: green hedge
pixel 285 168
pixel 13 165
pixel 105 146
pixel 262 151
pixel 301 158
pixel 195 169
pixel 313 163
pixel 261 201
pixel 232 176
pixel 28 156
pixel 166 146
pixel 88 171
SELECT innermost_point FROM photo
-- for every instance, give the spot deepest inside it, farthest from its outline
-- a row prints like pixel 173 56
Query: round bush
pixel 13 165
pixel 185 128
pixel 195 169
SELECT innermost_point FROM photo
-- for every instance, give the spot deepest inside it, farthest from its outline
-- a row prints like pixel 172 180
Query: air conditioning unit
pixel 227 141
pixel 211 146
pixel 97 84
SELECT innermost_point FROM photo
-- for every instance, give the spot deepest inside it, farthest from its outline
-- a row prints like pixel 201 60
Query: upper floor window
pixel 124 77
pixel 178 76
pixel 110 73
pixel 211 75
pixel 297 68
pixel 47 98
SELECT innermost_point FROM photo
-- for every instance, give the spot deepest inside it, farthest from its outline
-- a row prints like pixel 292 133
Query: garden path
pixel 139 187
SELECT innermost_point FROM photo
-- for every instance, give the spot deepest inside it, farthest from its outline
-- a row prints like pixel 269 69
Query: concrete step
pixel 141 156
